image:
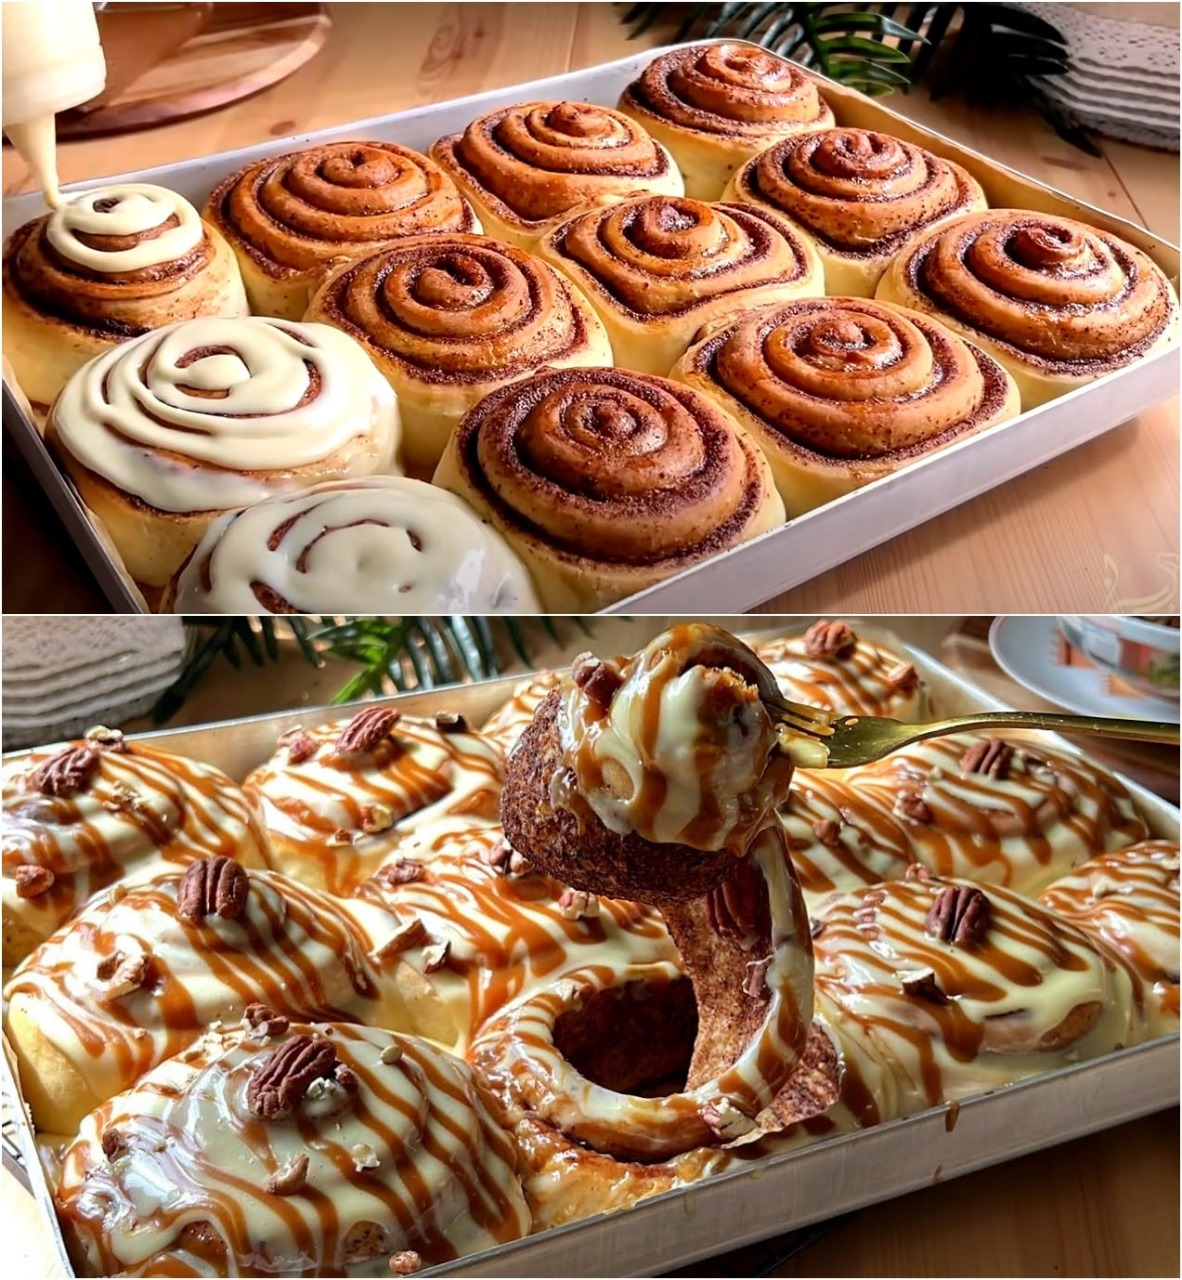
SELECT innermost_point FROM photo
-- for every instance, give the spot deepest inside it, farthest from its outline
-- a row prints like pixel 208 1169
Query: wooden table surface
pixel 1106 1205
pixel 1096 530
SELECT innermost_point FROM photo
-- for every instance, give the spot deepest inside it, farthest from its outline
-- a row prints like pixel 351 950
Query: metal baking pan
pixel 807 545
pixel 786 1191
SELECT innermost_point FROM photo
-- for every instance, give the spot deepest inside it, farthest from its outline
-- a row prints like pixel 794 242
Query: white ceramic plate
pixel 1025 650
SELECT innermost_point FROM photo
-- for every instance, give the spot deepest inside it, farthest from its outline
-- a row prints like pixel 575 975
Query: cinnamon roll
pixel 163 434
pixel 863 196
pixel 340 798
pixel 1057 302
pixel 937 990
pixel 528 166
pixel 324 1150
pixel 507 723
pixel 659 268
pixel 1012 812
pixel 144 970
pixel 606 482
pixel 81 815
pixel 715 106
pixel 449 318
pixel 839 392
pixel 104 266
pixel 292 218
pixel 1127 900
pixel 394 544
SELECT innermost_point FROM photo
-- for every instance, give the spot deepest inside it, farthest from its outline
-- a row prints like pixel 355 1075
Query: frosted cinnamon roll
pixel 863 196
pixel 525 167
pixel 839 392
pixel 102 267
pixel 144 970
pixel 321 1150
pixel 715 106
pixel 937 990
pixel 830 665
pixel 81 815
pixel 507 723
pixel 387 543
pixel 163 434
pixel 606 482
pixel 449 318
pixel 659 268
pixel 339 798
pixel 291 218
pixel 475 928
pixel 1057 302
pixel 1011 812
pixel 1128 900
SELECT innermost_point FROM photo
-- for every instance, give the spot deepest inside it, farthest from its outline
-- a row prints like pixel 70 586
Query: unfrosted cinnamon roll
pixel 291 218
pixel 449 318
pixel 387 543
pixel 606 482
pixel 81 815
pixel 104 266
pixel 863 196
pixel 937 990
pixel 163 434
pixel 839 392
pixel 528 166
pixel 1011 812
pixel 318 1150
pixel 1057 302
pixel 659 268
pixel 830 665
pixel 1128 900
pixel 715 106
pixel 338 799
pixel 144 970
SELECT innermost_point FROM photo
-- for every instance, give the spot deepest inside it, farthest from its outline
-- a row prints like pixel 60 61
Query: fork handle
pixel 1091 726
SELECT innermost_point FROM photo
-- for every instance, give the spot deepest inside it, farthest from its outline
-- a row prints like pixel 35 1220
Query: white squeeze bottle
pixel 52 61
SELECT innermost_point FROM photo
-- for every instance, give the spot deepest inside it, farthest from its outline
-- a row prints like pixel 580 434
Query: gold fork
pixel 844 741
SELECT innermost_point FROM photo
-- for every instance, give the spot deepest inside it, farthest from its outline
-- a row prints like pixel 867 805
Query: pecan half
pixel 913 806
pixel 961 914
pixel 213 886
pixel 738 907
pixel 404 871
pixel 451 722
pixel 923 986
pixel 598 680
pixel 289 1178
pixel 67 772
pixel 576 904
pixel 826 639
pixel 279 1085
pixel 989 756
pixel 367 729
pixel 33 881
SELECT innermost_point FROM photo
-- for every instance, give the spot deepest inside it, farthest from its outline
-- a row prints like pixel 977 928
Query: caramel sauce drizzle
pixel 866 683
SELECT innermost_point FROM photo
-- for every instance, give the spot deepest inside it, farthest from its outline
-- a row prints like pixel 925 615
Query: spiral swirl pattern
pixel 529 164
pixel 729 90
pixel 393 542
pixel 212 414
pixel 601 470
pixel 1047 293
pixel 840 390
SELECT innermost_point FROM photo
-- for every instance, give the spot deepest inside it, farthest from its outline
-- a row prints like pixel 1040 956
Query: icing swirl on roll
pixel 125 228
pixel 216 413
pixel 399 544
pixel 323 1150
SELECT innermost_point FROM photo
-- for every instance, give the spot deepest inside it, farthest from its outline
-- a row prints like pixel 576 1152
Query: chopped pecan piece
pixel 405 1262
pixel 505 860
pixel 904 678
pixel 436 956
pixel 917 871
pixel 404 871
pixel 346 1077
pixel 923 986
pixel 258 1015
pixel 451 722
pixel 302 746
pixel 913 806
pixel 376 818
pixel 828 832
pixel 33 881
pixel 990 756
pixel 66 772
pixel 122 974
pixel 289 1178
pixel 755 985
pixel 213 886
pixel 412 934
pixel 391 1054
pixel 726 1119
pixel 598 680
pixel 107 739
pixel 576 904
pixel 279 1085
pixel 367 729
pixel 960 915
pixel 114 1144
pixel 826 639
pixel 816 928
pixel 738 907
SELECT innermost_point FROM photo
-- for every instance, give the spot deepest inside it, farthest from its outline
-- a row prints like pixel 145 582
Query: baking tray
pixel 807 545
pixel 787 1191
